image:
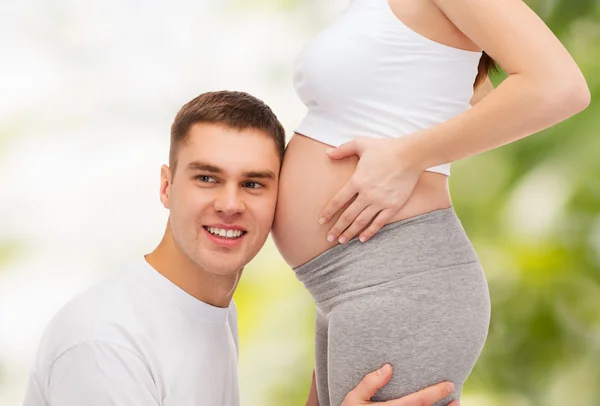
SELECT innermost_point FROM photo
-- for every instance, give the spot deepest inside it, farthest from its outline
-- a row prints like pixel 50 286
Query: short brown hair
pixel 237 110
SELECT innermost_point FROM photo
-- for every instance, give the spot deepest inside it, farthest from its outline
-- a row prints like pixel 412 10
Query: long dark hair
pixel 486 66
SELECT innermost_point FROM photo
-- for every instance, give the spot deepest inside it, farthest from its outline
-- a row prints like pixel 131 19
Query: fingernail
pixel 342 239
pixel 330 238
pixel 362 238
pixel 322 220
pixel 450 388
pixel 384 369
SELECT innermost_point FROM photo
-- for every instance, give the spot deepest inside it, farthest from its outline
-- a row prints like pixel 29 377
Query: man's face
pixel 222 196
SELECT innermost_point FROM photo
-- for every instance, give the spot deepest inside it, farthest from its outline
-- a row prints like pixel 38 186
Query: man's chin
pixel 226 261
pixel 223 266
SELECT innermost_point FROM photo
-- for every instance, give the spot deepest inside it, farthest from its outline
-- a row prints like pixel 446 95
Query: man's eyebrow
pixel 203 166
pixel 259 175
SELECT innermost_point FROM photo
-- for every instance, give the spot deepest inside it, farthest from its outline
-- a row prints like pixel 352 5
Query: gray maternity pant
pixel 414 296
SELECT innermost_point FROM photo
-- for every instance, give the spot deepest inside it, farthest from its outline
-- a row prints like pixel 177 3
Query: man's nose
pixel 229 201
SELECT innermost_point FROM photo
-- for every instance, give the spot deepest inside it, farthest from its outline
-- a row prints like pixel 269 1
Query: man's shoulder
pixel 102 313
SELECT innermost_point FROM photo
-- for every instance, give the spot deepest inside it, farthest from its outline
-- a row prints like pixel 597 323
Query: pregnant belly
pixel 309 178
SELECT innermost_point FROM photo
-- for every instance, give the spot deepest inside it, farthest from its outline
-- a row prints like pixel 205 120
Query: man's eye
pixel 253 185
pixel 206 179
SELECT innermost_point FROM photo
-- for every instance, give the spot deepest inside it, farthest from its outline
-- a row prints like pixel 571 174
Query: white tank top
pixel 368 74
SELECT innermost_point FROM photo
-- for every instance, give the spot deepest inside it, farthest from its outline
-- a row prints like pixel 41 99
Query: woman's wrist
pixel 410 151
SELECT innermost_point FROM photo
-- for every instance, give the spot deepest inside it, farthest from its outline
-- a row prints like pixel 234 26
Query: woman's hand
pixel 384 179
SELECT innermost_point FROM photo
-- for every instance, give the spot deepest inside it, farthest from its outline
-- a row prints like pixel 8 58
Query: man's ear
pixel 165 185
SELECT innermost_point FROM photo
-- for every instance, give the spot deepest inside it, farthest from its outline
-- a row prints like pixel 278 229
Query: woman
pixel 369 227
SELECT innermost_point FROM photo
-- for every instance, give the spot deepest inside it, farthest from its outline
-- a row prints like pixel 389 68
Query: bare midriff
pixel 309 179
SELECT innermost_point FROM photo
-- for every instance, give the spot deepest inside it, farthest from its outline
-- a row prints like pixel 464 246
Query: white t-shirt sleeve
pixel 98 373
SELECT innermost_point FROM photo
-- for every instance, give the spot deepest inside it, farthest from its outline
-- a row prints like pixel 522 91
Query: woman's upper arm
pixel 511 33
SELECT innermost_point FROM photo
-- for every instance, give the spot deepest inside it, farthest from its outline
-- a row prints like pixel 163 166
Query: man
pixel 164 332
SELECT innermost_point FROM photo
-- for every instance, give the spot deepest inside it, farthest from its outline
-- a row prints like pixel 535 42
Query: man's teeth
pixel 225 233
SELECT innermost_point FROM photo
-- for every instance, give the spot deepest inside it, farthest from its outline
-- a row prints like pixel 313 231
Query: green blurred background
pixel 532 208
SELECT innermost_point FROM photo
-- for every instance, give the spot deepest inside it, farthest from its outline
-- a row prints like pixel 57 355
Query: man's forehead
pixel 208 132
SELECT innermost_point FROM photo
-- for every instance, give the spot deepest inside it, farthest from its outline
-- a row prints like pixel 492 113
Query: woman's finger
pixel 378 222
pixel 345 150
pixel 338 201
pixel 361 222
pixel 347 217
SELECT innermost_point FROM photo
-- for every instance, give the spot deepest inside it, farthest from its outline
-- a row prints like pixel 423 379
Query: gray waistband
pixel 417 244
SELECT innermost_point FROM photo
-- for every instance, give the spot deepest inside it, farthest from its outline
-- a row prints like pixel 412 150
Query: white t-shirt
pixel 137 339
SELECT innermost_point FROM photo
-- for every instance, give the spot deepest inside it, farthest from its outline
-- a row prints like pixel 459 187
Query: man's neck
pixel 170 262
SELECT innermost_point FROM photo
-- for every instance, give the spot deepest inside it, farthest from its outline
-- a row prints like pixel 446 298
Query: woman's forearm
pixel 519 107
